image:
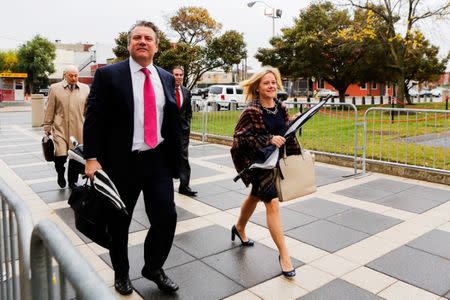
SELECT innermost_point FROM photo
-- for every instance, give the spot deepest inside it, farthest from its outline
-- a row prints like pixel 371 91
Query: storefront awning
pixel 13 75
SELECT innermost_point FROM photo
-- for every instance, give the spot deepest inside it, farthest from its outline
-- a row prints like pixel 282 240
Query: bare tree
pixel 398 13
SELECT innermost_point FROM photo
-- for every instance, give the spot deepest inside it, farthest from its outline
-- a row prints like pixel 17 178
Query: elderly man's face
pixel 71 77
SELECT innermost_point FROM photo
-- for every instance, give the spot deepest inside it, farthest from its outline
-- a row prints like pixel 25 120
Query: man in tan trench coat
pixel 64 117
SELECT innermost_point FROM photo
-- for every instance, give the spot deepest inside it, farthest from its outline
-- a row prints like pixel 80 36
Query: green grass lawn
pixel 333 130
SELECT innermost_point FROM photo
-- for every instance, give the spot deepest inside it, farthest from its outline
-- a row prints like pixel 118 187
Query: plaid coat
pixel 250 136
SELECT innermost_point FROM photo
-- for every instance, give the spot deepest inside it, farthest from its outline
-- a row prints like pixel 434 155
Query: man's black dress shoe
pixel 187 191
pixel 163 282
pixel 123 285
pixel 61 180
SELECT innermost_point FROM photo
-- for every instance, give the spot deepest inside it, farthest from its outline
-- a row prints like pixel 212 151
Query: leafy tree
pixel 422 62
pixel 218 52
pixel 327 43
pixel 36 58
pixel 407 12
pixel 194 25
pixel 8 60
pixel 121 51
pixel 200 47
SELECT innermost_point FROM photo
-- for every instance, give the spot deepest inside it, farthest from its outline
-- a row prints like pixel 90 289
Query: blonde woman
pixel 260 125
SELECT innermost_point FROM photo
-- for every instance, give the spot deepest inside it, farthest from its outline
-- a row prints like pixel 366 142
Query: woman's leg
pixel 247 209
pixel 276 231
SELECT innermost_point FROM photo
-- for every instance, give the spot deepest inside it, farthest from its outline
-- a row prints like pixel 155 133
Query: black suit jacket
pixel 186 110
pixel 109 123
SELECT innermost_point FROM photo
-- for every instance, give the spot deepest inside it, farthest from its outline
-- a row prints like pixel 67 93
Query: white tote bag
pixel 295 176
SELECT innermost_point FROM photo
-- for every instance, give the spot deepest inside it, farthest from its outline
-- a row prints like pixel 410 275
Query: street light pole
pixel 275 13
pixel 273 26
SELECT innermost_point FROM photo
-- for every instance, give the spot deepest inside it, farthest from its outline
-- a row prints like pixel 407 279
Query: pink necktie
pixel 150 134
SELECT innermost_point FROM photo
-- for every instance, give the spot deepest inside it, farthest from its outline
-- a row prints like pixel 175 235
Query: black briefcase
pixel 48 148
pixel 91 212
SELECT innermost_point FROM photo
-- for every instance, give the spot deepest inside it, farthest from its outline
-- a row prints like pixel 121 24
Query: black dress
pixel 274 122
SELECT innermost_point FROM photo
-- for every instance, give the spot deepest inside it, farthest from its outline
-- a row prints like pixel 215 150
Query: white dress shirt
pixel 138 78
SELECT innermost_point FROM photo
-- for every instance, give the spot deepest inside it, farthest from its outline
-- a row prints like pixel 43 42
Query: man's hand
pixel 91 167
pixel 277 140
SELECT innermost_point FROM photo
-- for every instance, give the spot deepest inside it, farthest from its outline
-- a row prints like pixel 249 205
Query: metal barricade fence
pixel 211 119
pixel 25 268
pixel 47 242
pixel 333 131
pixel 414 138
pixel 15 232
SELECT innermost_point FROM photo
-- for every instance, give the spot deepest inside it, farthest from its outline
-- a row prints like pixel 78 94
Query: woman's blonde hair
pixel 251 85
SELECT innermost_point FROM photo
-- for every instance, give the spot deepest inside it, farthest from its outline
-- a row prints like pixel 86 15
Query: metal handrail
pixel 17 208
pixel 48 241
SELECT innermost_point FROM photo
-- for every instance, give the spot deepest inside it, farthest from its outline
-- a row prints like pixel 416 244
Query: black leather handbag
pixel 48 148
pixel 92 212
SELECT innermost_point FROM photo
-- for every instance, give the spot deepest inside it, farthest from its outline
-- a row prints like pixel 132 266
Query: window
pixel 363 86
pixel 215 90
pixel 229 91
pixel 239 91
pixel 374 85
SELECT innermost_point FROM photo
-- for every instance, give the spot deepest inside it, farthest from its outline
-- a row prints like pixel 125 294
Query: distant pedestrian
pixel 183 97
pixel 261 125
pixel 64 117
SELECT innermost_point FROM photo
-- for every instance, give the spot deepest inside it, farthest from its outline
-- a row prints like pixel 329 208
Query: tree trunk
pixel 401 90
pixel 342 95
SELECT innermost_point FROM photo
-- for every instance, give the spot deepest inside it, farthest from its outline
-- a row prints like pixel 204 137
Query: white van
pixel 224 95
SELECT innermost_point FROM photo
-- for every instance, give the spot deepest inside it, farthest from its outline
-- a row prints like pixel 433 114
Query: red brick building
pixel 358 90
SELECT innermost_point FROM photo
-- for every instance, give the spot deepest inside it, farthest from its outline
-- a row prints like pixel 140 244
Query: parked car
pixel 43 91
pixel 282 96
pixel 225 94
pixel 437 92
pixel 301 92
pixel 327 92
pixel 202 92
pixel 425 93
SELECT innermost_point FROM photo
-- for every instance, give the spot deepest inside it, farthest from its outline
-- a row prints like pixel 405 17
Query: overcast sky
pixel 96 21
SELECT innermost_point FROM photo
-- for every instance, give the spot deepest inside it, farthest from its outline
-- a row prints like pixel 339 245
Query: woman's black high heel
pixel 234 232
pixel 288 274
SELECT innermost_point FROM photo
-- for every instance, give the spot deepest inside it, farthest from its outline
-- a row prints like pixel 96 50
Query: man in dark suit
pixel 183 97
pixel 132 131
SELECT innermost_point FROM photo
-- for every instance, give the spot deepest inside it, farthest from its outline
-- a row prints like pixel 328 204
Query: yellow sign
pixel 13 75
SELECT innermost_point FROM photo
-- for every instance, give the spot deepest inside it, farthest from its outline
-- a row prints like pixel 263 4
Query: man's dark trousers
pixel 185 168
pixel 152 176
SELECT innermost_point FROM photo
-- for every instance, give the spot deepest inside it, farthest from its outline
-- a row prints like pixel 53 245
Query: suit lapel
pixel 127 85
pixel 185 94
pixel 166 89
